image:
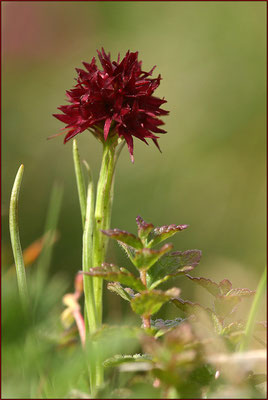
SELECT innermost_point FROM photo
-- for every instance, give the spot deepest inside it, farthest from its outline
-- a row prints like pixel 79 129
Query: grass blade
pixel 49 232
pixel 253 312
pixel 15 239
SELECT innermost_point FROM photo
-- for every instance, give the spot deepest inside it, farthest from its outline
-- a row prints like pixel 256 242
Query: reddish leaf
pixel 173 264
pixel 125 237
pixel 111 272
pixel 164 232
pixel 209 285
pixel 144 228
pixel 241 292
pixel 150 301
pixel 225 286
pixel 146 258
pixel 188 307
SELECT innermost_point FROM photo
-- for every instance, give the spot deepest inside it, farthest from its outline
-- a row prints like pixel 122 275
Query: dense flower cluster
pixel 116 100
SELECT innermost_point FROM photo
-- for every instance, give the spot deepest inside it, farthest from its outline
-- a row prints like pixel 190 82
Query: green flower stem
pixel 15 240
pixel 87 260
pixel 102 219
pixel 80 182
pixel 253 312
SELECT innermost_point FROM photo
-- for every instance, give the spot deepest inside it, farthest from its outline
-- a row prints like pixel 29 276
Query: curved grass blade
pixel 15 239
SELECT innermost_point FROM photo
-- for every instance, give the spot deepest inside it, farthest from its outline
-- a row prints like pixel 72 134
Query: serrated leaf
pixel 171 265
pixel 226 305
pixel 233 327
pixel 216 323
pixel 149 302
pixel 144 228
pixel 111 272
pixel 146 258
pixel 188 307
pixel 164 232
pixel 261 325
pixel 257 379
pixel 164 326
pixel 208 284
pixel 118 289
pixel 124 237
pixel 225 286
pixel 240 292
pixel 124 358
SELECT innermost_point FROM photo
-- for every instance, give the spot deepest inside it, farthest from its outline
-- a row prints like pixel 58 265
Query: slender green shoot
pixel 80 182
pixel 253 312
pixel 15 239
pixel 49 233
pixel 87 258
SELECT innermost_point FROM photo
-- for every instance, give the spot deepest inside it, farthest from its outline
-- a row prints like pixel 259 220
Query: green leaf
pixel 118 289
pixel 225 286
pixel 171 265
pixel 216 322
pixel 233 327
pixel 240 292
pixel 226 305
pixel 188 307
pixel 125 237
pixel 256 379
pixel 212 287
pixel 149 302
pixel 144 228
pixel 124 358
pixel 146 258
pixel 111 272
pixel 164 326
pixel 164 232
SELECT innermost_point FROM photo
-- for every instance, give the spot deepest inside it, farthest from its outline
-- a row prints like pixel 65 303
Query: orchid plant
pixel 116 104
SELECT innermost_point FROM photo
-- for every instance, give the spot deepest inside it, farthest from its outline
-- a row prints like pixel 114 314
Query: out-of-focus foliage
pixel 211 174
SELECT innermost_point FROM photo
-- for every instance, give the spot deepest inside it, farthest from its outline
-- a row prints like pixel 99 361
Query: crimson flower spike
pixel 117 100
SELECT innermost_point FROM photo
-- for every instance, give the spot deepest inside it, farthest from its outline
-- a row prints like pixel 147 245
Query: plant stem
pixel 15 240
pixel 253 312
pixel 102 219
pixel 146 319
pixel 80 182
pixel 87 260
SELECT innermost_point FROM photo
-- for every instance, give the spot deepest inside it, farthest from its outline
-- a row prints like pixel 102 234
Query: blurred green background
pixel 211 174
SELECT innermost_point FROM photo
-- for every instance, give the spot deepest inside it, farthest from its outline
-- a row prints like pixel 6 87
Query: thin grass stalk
pixel 15 240
pixel 49 232
pixel 253 312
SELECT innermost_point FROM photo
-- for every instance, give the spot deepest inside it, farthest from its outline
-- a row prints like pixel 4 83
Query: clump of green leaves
pixel 154 266
pixel 193 356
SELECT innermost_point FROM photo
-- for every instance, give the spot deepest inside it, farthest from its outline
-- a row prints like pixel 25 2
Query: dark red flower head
pixel 116 100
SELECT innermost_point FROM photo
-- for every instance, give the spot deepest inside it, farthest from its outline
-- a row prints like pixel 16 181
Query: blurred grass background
pixel 211 174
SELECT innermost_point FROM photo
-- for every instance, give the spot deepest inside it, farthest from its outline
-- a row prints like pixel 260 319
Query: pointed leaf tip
pixel 144 228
